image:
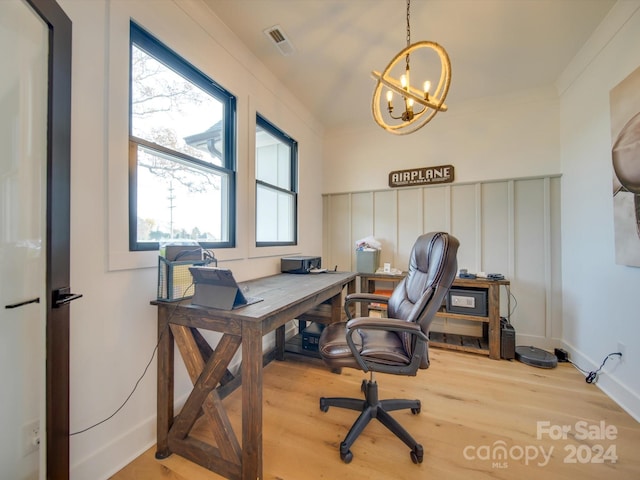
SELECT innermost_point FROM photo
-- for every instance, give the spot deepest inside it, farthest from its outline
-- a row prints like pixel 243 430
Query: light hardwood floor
pixel 473 408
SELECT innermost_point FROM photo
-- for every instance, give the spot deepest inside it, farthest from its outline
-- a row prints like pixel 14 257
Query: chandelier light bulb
pixel 427 86
pixel 403 81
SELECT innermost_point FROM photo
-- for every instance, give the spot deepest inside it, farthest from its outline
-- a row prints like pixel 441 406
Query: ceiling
pixel 496 47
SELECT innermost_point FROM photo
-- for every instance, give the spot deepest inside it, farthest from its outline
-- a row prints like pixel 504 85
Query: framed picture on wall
pixel 625 159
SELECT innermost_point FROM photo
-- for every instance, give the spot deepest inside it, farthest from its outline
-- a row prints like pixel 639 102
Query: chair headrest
pixel 434 254
pixel 432 269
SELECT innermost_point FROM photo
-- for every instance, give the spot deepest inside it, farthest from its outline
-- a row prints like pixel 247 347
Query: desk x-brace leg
pixel 205 375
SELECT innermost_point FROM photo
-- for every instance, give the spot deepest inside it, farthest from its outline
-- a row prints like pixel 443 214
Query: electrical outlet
pixel 622 348
pixel 30 437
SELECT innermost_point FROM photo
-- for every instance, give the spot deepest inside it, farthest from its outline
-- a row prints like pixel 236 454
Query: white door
pixel 23 183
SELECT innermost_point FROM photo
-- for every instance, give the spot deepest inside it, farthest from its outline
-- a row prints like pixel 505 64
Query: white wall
pixel 113 331
pixel 113 327
pixel 493 138
pixel 504 205
pixel 600 298
pixel 562 130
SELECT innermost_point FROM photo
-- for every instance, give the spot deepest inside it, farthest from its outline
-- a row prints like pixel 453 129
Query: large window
pixel 276 186
pixel 181 151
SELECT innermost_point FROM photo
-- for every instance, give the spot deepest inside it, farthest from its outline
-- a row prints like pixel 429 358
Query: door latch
pixel 20 304
pixel 62 296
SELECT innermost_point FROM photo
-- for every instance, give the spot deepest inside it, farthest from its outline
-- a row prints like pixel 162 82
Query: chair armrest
pixel 390 325
pixel 363 298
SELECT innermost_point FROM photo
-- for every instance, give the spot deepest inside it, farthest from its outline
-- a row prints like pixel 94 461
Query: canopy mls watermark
pixel 583 442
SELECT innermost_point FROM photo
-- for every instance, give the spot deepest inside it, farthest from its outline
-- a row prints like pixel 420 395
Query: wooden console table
pixel 488 344
pixel 286 296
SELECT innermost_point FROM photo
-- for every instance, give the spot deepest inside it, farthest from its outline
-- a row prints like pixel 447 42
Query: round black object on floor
pixel 536 357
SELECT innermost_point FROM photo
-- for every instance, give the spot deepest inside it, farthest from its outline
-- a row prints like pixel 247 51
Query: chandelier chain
pixel 408 31
pixel 408 22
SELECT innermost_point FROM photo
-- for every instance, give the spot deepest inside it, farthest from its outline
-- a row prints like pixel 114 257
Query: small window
pixel 276 186
pixel 182 151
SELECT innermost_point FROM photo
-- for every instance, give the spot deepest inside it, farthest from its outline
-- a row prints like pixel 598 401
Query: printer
pixel 299 264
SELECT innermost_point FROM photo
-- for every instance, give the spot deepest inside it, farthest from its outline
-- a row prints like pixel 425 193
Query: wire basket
pixel 174 279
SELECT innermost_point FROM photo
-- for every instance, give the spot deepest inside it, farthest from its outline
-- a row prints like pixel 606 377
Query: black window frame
pixel 155 48
pixel 265 124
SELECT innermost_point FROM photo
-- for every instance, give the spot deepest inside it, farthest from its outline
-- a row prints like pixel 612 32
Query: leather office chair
pixel 397 344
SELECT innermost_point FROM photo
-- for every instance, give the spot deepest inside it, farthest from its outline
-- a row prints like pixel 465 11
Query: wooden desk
pixel 489 343
pixel 368 280
pixel 285 297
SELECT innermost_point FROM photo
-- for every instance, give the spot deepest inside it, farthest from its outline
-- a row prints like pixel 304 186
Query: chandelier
pixel 420 106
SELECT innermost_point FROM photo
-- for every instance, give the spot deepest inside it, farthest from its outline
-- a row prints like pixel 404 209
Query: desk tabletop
pixel 466 282
pixel 278 292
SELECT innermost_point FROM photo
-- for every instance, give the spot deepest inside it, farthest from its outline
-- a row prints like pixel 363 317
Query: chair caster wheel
pixel 415 411
pixel 417 454
pixel 345 454
pixel 323 405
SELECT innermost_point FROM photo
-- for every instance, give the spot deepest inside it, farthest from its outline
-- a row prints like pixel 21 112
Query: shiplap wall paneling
pixel 339 226
pixel 495 226
pixel 464 225
pixel 437 218
pixel 410 224
pixel 437 209
pixel 505 226
pixel 326 233
pixel 497 233
pixel 385 223
pixel 531 257
pixel 555 329
pixel 362 212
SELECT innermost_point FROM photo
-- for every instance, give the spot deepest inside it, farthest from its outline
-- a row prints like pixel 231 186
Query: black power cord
pixel 592 377
pixel 515 303
pixel 153 354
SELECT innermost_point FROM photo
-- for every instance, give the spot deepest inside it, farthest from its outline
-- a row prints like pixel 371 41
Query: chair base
pixel 371 408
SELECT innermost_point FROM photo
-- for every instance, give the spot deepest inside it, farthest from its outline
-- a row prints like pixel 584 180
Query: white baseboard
pixel 110 458
pixel 548 344
pixel 609 384
pixel 119 452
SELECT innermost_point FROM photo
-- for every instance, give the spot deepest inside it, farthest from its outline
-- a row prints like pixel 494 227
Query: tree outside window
pixel 182 165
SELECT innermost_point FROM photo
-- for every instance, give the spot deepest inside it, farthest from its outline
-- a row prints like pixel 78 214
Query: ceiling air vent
pixel 278 37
